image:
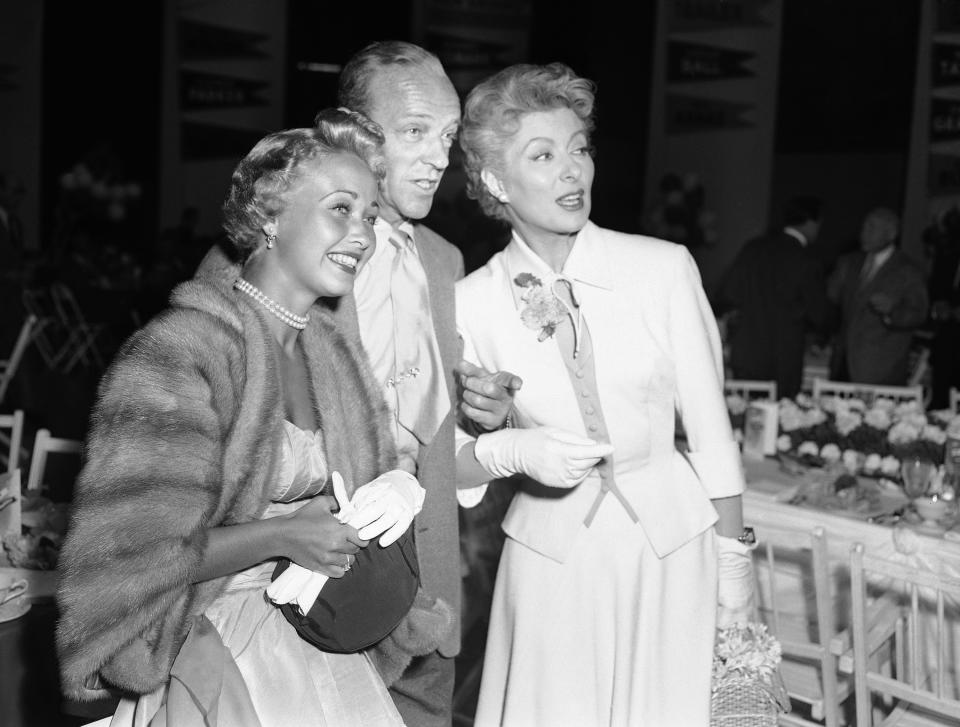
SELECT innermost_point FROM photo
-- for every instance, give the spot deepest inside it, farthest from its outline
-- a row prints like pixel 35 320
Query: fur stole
pixel 184 436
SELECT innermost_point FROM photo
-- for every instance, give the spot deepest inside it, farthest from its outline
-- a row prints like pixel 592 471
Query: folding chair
pixel 868 392
pixel 750 389
pixel 48 338
pixel 9 366
pixel 788 562
pixel 916 691
pixel 954 399
pixel 13 422
pixel 43 445
pixel 82 335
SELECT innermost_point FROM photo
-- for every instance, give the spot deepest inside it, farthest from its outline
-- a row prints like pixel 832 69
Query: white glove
pixel 297 583
pixel 549 455
pixel 387 505
pixel 736 582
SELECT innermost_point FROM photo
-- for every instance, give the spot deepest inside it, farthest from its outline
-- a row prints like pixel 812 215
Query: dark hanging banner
pixel 690 114
pixel 698 62
pixel 205 42
pixel 214 91
pixel 696 15
pixel 944 174
pixel 944 119
pixel 946 65
pixel 948 16
pixel 200 141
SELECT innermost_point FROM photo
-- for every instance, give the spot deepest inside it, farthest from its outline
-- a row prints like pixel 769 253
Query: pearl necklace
pixel 291 319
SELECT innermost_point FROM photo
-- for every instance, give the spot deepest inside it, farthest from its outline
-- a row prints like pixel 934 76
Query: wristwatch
pixel 748 537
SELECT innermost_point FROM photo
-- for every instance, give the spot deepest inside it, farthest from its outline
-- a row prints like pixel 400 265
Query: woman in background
pixel 212 439
pixel 606 601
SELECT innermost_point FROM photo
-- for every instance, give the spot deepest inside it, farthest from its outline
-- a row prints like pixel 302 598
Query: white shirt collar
pixel 795 233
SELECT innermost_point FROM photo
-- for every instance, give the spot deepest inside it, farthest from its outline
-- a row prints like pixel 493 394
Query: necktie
pixel 868 269
pixel 422 399
pixel 569 336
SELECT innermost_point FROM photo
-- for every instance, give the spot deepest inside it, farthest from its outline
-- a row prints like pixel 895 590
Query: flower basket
pixel 746 689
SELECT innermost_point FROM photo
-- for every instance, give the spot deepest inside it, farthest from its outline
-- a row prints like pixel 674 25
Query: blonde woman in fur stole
pixel 211 442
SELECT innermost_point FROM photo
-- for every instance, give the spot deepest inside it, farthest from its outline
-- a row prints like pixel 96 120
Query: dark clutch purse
pixel 366 604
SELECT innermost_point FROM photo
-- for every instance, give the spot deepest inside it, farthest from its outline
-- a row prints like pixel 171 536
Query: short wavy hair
pixel 495 107
pixel 262 179
pixel 353 89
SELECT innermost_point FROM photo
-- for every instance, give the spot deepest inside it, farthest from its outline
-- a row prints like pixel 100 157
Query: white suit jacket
pixel 656 351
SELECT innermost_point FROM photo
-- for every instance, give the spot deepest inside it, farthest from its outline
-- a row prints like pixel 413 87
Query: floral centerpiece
pixel 746 688
pixel 869 439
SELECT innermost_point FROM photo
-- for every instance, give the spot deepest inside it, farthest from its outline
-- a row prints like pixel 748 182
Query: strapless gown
pixel 266 674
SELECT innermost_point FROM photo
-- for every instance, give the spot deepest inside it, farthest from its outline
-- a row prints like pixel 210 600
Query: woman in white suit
pixel 622 555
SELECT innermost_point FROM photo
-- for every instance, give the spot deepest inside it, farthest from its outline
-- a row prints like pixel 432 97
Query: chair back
pixel 9 366
pixel 81 345
pixel 751 389
pixel 916 688
pixel 14 440
pixel 954 399
pixel 790 560
pixel 43 445
pixel 867 392
pixel 10 498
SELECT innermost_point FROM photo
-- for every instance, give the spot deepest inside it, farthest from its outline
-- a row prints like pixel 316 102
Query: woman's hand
pixel 314 538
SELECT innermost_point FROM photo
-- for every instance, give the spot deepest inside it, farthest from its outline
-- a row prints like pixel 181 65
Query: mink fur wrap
pixel 185 436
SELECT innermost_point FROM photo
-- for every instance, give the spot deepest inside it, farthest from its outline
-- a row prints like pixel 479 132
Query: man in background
pixel 882 299
pixel 776 290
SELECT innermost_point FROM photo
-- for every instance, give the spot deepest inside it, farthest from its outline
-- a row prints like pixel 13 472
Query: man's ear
pixel 493 185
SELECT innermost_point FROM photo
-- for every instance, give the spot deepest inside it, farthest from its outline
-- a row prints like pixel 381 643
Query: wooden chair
pixel 868 392
pixel 788 559
pixel 750 389
pixel 45 444
pixel 82 342
pixel 13 440
pixel 915 692
pixel 954 399
pixel 9 366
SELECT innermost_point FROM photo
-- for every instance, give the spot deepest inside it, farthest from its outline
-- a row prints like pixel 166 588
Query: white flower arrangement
pixel 747 653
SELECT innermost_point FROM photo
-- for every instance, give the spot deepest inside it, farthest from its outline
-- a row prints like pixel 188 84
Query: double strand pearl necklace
pixel 291 319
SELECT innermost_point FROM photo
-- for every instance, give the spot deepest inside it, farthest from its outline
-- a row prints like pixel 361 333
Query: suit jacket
pixel 437 529
pixel 778 288
pixel 655 348
pixel 876 352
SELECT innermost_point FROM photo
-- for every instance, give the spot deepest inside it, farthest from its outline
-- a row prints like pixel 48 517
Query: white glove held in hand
pixel 551 456
pixel 387 505
pixel 736 582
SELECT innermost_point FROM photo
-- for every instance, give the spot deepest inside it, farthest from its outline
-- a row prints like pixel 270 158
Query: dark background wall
pixel 842 126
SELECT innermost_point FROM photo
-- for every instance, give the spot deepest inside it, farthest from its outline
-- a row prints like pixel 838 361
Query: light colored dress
pixel 270 676
pixel 604 608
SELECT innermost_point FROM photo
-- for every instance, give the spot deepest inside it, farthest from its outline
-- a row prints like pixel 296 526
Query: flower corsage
pixel 543 309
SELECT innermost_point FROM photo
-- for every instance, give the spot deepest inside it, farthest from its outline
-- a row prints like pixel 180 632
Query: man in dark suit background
pixel 777 289
pixel 882 299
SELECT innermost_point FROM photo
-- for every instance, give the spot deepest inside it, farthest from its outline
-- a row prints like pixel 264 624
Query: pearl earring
pixel 270 240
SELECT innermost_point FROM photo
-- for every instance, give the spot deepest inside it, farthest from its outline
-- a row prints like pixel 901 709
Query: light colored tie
pixel 422 399
pixel 868 269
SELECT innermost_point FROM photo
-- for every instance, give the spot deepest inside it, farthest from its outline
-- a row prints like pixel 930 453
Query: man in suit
pixel 777 289
pixel 882 297
pixel 405 90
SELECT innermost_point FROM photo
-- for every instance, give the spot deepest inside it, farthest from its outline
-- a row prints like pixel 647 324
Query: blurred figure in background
pixel 882 299
pixel 776 290
pixel 943 243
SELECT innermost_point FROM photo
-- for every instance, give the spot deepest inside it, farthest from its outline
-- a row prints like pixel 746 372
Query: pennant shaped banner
pixel 689 114
pixel 697 62
pixel 203 42
pixel 213 141
pixel 213 91
pixel 943 174
pixel 944 119
pixel 696 15
pixel 948 16
pixel 945 67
